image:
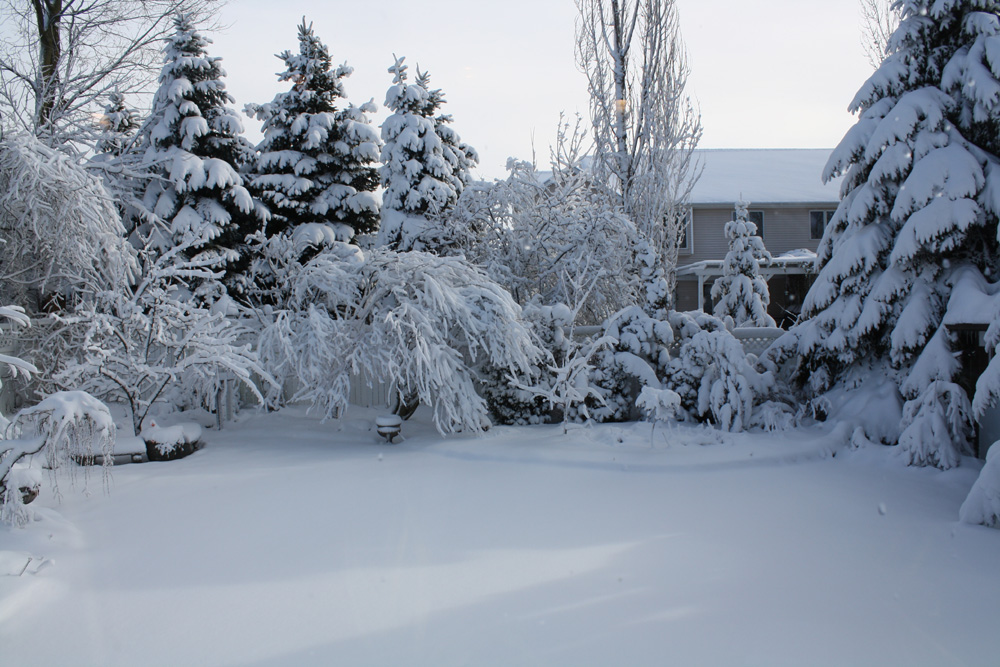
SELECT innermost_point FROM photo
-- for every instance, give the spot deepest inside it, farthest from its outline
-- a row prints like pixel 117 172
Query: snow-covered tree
pixel 645 125
pixel 422 322
pixel 519 400
pixel 62 236
pixel 64 427
pixel 15 366
pixel 117 160
pixel 152 343
pixel 61 426
pixel 425 166
pixel 555 237
pixel 118 124
pixel 193 140
pixel 317 159
pixel 983 504
pixel 460 157
pixel 919 212
pixel 715 379
pixel 741 292
pixel 637 356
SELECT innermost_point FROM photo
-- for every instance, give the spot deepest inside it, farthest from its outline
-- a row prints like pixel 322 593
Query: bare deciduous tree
pixel 58 57
pixel 646 126
pixel 878 22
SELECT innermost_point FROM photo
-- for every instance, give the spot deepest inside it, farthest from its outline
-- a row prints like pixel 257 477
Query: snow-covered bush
pixel 684 378
pixel 714 377
pixel 65 427
pixel 153 343
pixel 419 321
pixel 16 366
pixel 982 506
pixel 741 291
pixel 637 356
pixel 61 233
pixel 317 161
pixel 519 400
pixel 773 416
pixel 937 426
pixel 918 215
pixel 659 405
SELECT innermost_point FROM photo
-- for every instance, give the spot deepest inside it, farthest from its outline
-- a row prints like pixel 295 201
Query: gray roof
pixel 764 176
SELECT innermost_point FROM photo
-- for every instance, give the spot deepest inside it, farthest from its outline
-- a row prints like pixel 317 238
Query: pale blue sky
pixel 768 73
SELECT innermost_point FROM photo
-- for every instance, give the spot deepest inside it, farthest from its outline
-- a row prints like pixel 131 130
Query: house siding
pixel 785 228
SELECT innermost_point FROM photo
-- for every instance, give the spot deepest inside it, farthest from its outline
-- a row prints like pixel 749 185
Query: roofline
pixel 815 148
pixel 832 203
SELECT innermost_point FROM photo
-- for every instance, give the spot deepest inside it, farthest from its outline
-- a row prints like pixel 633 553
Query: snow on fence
pixel 756 339
pixel 753 339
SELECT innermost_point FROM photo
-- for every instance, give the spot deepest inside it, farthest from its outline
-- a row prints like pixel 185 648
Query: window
pixel 757 218
pixel 686 243
pixel 818 220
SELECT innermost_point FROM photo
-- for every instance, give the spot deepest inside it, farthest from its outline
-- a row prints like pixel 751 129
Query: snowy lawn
pixel 289 542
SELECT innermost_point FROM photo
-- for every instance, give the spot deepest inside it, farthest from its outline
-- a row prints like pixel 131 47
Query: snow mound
pixel 187 433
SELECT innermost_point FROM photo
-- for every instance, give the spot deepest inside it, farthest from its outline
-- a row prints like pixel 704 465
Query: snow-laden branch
pixel 61 232
pixel 412 319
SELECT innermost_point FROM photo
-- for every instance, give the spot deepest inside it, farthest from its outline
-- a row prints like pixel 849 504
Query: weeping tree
pixel 644 123
pixel 60 234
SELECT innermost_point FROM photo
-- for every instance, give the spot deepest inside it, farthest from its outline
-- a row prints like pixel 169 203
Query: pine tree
pixel 117 160
pixel 919 210
pixel 460 157
pixel 119 124
pixel 425 165
pixel 193 140
pixel 317 160
pixel 741 292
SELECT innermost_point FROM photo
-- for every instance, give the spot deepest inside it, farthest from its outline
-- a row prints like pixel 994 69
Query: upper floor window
pixel 818 220
pixel 757 218
pixel 686 244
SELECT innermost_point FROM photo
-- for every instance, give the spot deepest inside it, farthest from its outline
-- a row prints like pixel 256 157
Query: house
pixel 790 205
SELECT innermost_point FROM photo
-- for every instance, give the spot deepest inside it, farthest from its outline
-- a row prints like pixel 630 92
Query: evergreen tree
pixel 460 157
pixel 425 165
pixel 118 161
pixel 919 212
pixel 119 124
pixel 317 161
pixel 741 292
pixel 193 140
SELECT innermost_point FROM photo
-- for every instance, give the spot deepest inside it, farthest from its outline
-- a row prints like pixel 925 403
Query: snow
pixel 179 434
pixel 763 176
pixel 291 541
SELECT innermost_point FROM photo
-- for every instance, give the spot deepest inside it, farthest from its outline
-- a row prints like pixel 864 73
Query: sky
pixel 765 74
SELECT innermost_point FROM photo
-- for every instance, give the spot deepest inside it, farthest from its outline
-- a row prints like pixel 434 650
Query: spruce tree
pixel 460 157
pixel 741 292
pixel 193 140
pixel 425 165
pixel 119 124
pixel 317 159
pixel 918 217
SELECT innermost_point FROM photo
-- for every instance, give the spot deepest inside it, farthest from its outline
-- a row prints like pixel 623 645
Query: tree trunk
pixel 47 15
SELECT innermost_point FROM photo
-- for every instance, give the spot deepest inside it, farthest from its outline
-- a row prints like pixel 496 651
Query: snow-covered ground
pixel 287 541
